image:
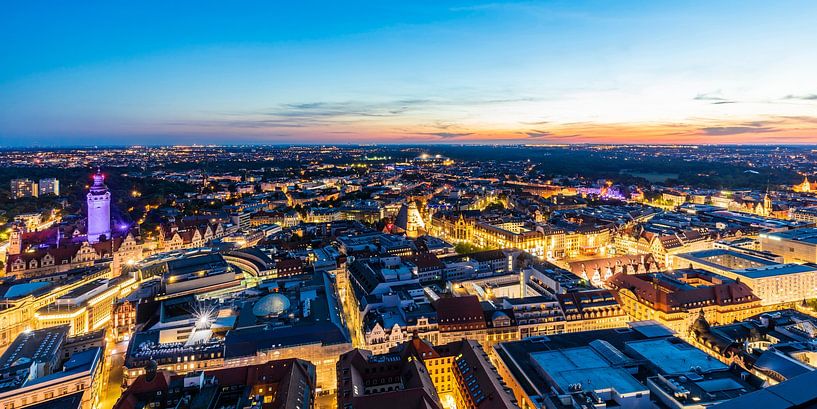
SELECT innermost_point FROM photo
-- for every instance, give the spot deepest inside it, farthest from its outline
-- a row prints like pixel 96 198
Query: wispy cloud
pixel 310 110
pixel 326 115
pixel 536 123
pixel 539 134
pixel 447 135
pixel 535 133
pixel 714 98
pixel 443 125
pixel 733 130
pixel 805 97
pixel 801 119
pixel 745 128
pixel 241 123
pixel 307 114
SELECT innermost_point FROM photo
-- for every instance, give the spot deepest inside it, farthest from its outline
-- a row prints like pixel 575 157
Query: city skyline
pixel 324 73
pixel 416 205
pixel 491 204
pixel 211 276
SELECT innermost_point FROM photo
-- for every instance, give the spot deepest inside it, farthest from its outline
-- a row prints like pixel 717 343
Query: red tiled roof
pixel 459 310
pixel 664 295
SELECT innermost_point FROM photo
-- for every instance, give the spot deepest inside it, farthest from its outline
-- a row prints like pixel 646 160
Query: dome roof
pixel 700 325
pixel 270 305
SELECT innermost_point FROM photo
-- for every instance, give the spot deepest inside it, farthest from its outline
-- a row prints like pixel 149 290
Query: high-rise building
pixel 49 186
pixel 99 210
pixel 23 188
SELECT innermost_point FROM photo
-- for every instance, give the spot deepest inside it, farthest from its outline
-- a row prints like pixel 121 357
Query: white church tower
pixel 99 209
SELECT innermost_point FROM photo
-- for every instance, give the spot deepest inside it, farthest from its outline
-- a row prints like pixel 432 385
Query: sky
pixel 552 72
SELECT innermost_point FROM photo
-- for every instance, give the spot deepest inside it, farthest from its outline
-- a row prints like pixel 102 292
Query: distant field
pixel 654 177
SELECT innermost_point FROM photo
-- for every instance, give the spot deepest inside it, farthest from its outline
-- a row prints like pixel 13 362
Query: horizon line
pixel 386 144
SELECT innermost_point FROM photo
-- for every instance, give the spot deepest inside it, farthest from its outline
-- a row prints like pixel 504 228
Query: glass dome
pixel 271 305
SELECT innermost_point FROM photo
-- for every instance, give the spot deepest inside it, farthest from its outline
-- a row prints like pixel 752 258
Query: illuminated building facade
pixel 65 247
pixel 804 187
pixel 21 188
pixel 323 215
pixel 49 186
pixel 188 234
pixel 552 242
pixel 674 298
pixel 283 219
pixel 453 227
pixel 458 318
pixel 674 198
pixel 796 246
pixel 590 310
pixel 597 271
pixel 99 210
pixel 30 221
pixel 773 282
pixel 22 299
pixel 509 234
pixel 124 319
pixel 805 214
pixel 86 308
pixel 34 371
pixel 409 220
pixel 31 260
pixel 662 246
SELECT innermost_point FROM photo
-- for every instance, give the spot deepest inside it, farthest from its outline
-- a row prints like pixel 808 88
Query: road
pixel 115 365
